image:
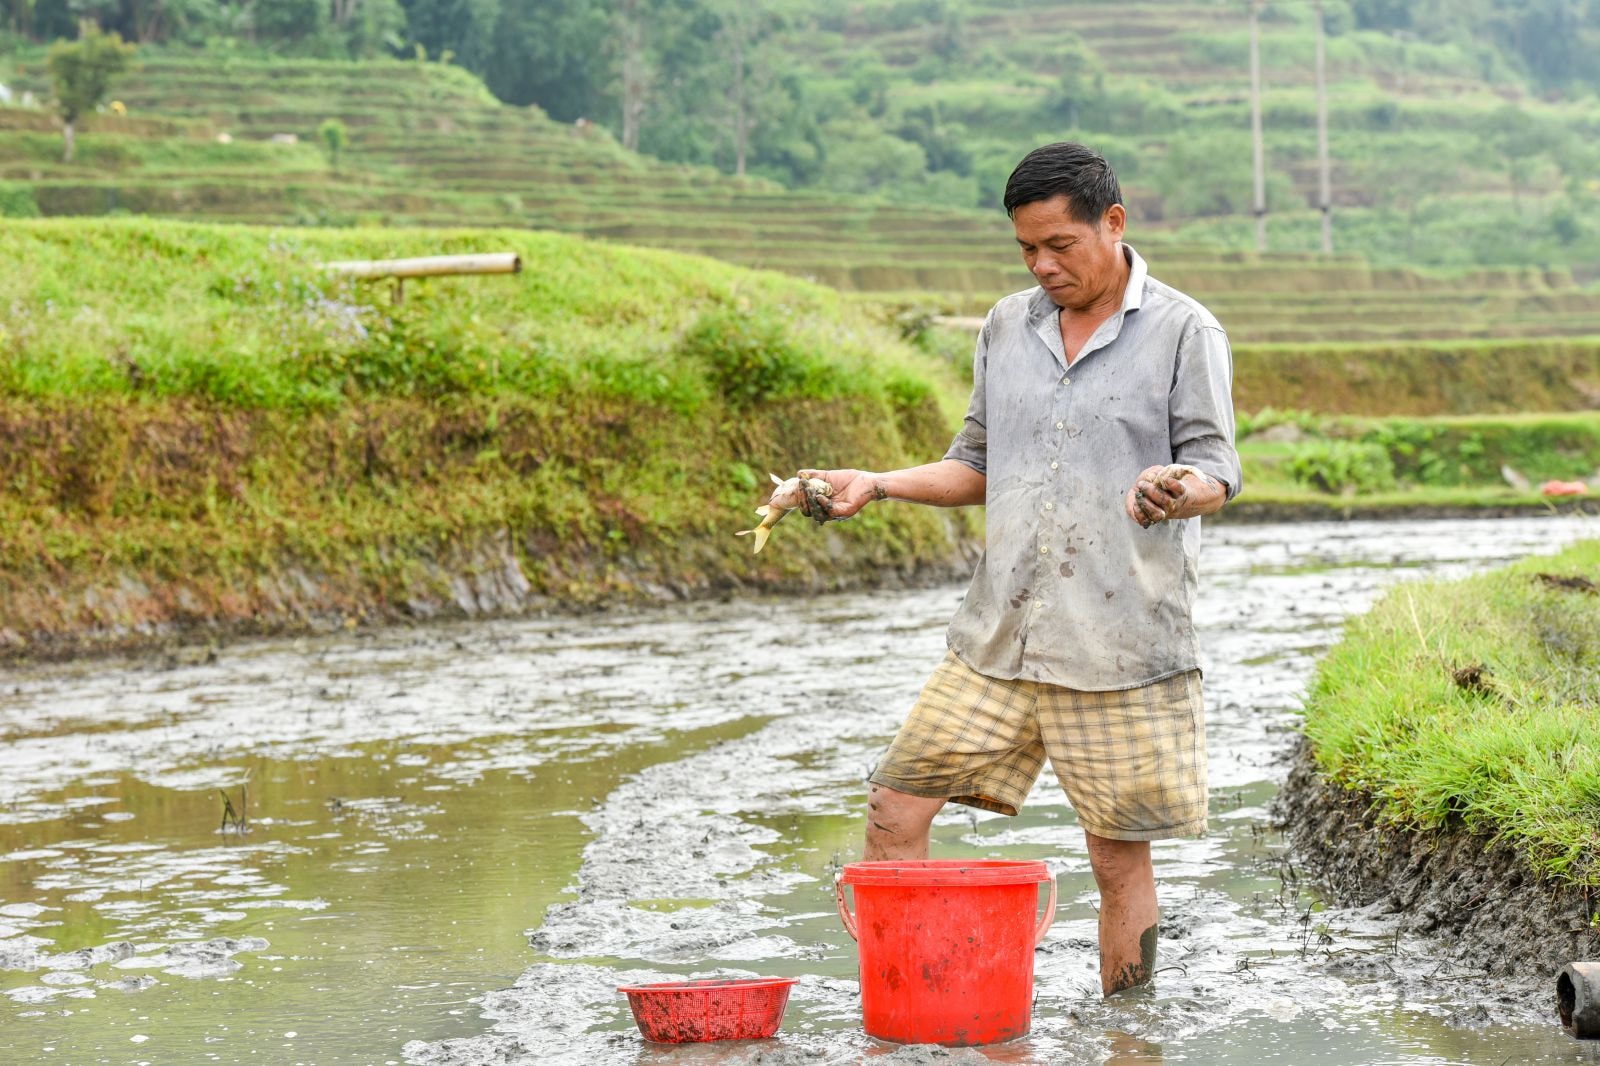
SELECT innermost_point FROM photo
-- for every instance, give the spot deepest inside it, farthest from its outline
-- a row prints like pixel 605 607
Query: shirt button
pixel 1049 507
pixel 1066 381
pixel 1044 549
pixel 1055 466
pixel 1061 425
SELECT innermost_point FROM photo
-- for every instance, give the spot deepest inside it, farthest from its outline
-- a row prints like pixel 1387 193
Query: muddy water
pixel 460 840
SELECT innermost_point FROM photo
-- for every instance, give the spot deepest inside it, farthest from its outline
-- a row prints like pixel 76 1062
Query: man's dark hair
pixel 1065 169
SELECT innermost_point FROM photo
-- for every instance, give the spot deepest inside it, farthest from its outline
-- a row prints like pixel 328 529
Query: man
pixel 1075 640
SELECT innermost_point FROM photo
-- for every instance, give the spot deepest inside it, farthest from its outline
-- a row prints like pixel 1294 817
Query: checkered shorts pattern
pixel 1132 762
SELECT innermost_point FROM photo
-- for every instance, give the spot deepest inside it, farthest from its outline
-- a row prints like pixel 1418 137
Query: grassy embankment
pixel 1295 462
pixel 1472 704
pixel 197 425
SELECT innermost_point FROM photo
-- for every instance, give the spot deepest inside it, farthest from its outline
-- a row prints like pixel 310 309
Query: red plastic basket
pixel 680 1012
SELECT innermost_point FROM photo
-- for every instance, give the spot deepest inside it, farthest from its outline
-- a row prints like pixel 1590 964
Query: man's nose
pixel 1045 266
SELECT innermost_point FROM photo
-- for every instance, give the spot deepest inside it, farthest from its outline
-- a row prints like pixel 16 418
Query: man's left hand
pixel 1154 498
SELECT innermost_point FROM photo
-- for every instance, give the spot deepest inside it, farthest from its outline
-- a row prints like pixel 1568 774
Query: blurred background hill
pixel 866 144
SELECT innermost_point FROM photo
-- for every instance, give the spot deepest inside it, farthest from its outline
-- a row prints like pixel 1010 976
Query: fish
pixel 1177 472
pixel 786 496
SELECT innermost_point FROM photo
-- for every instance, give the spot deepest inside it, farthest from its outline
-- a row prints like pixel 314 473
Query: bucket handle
pixel 1049 915
pixel 844 910
pixel 1045 922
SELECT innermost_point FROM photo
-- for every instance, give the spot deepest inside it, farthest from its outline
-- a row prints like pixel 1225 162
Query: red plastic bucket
pixel 946 947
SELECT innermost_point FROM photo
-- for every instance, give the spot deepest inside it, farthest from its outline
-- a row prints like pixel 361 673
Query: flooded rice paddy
pixel 451 844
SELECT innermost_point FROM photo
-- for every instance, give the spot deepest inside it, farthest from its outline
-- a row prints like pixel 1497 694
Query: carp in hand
pixel 786 497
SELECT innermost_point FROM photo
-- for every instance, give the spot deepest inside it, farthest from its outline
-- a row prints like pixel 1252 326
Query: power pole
pixel 1258 149
pixel 1322 139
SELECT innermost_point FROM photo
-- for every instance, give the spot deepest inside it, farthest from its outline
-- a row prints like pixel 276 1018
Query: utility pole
pixel 1326 180
pixel 1258 149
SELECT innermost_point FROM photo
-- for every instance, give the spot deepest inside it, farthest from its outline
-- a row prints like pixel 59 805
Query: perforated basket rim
pixel 708 985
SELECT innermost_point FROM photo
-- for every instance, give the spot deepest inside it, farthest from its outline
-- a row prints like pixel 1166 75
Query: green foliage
pixel 1340 466
pixel 81 72
pixel 1471 705
pixel 1248 424
pixel 262 327
pixel 749 355
pixel 16 201
pixel 334 137
pixel 1453 452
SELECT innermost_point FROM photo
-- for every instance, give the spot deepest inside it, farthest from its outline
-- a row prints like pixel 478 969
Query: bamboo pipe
pixel 430 266
pixel 1578 999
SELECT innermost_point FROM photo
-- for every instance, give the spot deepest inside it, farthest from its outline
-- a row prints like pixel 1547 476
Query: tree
pixel 547 52
pixel 334 138
pixel 746 26
pixel 81 73
pixel 636 72
pixel 19 13
pixel 1082 85
pixel 465 28
pixel 670 71
pixel 1516 142
pixel 370 27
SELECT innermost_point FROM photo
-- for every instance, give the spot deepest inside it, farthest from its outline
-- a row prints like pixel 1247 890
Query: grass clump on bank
pixel 1296 457
pixel 199 424
pixel 1474 704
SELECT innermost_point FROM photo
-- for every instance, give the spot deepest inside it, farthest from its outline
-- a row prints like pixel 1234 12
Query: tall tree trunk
pixel 1258 149
pixel 635 72
pixel 741 105
pixel 69 135
pixel 1324 177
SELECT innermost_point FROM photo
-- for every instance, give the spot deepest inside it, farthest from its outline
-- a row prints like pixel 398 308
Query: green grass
pixel 244 317
pixel 1508 749
pixel 1445 462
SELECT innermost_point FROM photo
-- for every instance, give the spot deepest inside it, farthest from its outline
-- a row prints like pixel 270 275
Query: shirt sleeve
pixel 1201 409
pixel 971 445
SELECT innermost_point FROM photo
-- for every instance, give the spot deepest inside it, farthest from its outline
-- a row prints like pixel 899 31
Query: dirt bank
pixel 1481 902
pixel 490 579
pixel 501 574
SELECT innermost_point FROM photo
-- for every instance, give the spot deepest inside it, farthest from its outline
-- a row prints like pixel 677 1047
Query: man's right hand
pixel 852 490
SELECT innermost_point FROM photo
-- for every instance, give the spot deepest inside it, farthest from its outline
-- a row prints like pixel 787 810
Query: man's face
pixel 1077 263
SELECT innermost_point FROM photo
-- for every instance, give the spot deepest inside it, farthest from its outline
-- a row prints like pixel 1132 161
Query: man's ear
pixel 1115 221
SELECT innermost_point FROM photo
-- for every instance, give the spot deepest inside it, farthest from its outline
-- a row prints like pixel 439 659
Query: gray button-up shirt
pixel 1070 590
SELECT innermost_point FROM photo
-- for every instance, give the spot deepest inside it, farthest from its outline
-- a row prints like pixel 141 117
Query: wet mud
pixel 1478 901
pixel 463 838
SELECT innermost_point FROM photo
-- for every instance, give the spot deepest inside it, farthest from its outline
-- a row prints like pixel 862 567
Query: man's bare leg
pixel 1128 914
pixel 897 824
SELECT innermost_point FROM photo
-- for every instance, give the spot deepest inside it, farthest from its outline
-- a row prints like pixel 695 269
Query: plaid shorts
pixel 1132 762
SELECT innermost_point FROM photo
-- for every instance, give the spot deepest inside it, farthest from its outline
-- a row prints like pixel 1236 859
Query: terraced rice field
pixel 429 146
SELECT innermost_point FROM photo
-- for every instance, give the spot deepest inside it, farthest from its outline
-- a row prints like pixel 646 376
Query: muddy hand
pixel 1155 497
pixel 852 490
pixel 816 505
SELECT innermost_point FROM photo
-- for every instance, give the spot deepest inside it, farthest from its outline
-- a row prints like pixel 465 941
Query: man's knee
pixel 895 818
pixel 1117 863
